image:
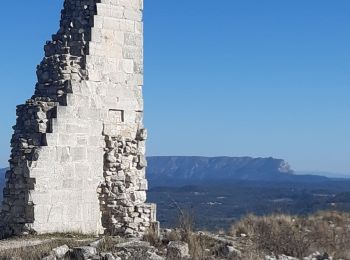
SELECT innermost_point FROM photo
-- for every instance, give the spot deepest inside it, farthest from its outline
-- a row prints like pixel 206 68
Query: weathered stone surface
pixel 177 250
pixel 154 256
pixel 133 244
pixel 83 253
pixel 136 249
pixel 97 243
pixel 107 256
pixel 49 257
pixel 314 256
pixel 78 148
pixel 61 251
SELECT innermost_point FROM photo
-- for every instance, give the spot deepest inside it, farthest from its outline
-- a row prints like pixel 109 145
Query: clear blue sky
pixel 228 77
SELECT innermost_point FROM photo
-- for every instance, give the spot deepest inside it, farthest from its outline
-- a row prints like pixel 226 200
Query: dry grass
pixel 186 223
pixel 327 232
pixel 174 235
pixel 153 238
pixel 330 231
pixel 39 251
pixel 50 241
pixel 250 255
pixel 279 234
pixel 108 243
pixel 75 235
pixel 196 244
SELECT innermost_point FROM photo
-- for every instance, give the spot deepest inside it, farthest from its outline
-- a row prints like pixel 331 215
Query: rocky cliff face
pixel 163 169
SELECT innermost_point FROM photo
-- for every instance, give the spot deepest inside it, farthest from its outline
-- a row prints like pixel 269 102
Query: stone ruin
pixel 78 149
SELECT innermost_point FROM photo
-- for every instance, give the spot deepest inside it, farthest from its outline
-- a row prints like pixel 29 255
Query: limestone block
pixel 76 128
pixel 118 37
pixel 133 39
pixel 135 80
pixel 51 139
pixel 78 100
pixel 103 9
pixel 40 197
pixel 82 140
pixel 134 15
pixel 110 23
pixel 42 212
pixel 95 156
pixel 55 213
pixel 95 75
pixel 82 253
pixel 98 22
pixel 66 139
pixel 63 154
pixel 96 35
pixel 96 141
pixel 78 154
pixel 139 197
pixel 117 11
pixel 142 161
pixel 70 183
pixel 142 134
pixel 127 66
pixel 45 153
pixel 132 52
pixel 61 251
pixel 143 185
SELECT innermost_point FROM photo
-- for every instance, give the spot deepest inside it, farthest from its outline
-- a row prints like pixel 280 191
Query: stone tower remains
pixel 78 148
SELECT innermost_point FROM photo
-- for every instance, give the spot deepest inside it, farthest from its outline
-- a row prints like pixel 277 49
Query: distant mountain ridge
pixel 167 170
pixel 188 170
pixel 326 174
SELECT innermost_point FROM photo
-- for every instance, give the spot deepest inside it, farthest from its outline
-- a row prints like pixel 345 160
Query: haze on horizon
pixel 239 78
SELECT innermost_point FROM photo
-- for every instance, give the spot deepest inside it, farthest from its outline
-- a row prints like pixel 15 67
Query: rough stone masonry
pixel 78 148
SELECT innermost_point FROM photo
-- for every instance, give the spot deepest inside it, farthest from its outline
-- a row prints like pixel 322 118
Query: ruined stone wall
pixel 115 71
pixel 78 149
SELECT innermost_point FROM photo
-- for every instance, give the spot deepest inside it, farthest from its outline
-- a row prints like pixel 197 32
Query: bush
pixel 298 236
pixel 153 238
pixel 196 244
pixel 279 234
pixel 330 231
